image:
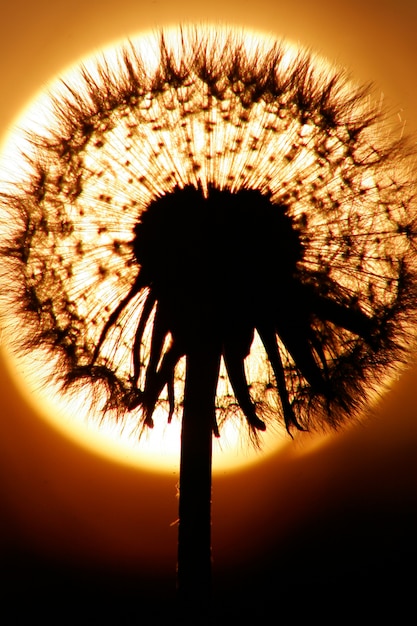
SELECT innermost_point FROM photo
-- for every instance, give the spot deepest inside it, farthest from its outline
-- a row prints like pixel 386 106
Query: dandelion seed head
pixel 214 187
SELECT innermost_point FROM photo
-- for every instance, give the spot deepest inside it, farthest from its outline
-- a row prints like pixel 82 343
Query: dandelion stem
pixel 194 538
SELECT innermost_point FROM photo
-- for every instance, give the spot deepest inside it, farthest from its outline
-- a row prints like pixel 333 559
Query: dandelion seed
pixel 230 209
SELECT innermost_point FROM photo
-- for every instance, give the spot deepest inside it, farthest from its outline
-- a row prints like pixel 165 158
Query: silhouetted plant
pixel 235 204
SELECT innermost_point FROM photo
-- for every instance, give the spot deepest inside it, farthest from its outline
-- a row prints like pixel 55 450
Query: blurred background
pixel 326 532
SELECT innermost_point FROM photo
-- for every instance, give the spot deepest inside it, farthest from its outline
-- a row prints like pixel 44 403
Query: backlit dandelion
pixel 224 228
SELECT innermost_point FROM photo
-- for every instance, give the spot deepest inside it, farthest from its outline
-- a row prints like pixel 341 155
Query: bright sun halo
pixel 186 201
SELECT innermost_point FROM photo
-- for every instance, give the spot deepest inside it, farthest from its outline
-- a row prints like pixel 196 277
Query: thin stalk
pixel 194 537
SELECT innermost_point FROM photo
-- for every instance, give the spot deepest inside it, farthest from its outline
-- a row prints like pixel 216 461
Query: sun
pixel 206 197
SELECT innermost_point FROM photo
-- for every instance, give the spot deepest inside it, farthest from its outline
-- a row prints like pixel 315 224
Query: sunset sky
pixel 319 521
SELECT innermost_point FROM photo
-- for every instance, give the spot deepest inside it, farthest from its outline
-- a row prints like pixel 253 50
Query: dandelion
pixel 226 231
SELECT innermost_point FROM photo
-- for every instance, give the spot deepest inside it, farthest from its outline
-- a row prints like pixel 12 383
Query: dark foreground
pixel 356 568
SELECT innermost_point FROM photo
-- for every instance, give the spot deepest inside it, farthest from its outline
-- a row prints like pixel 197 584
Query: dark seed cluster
pixel 246 198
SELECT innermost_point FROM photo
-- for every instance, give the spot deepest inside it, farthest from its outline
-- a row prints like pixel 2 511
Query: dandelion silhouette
pixel 232 204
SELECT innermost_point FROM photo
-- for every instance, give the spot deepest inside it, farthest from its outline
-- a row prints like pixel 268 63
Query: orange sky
pixel 61 502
